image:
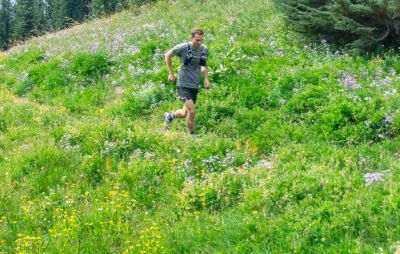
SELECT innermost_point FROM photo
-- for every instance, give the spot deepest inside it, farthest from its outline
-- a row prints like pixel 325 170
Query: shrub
pixel 308 100
pixel 275 131
pixel 357 24
pixel 44 166
pixel 254 95
pixel 217 192
pixel 47 80
pixel 347 121
pixel 90 66
pixel 248 121
pixel 142 102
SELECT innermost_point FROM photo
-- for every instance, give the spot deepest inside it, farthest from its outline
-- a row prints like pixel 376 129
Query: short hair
pixel 196 31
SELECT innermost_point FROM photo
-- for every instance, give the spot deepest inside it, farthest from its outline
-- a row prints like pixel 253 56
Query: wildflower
pixel 148 155
pixel 371 178
pixel 265 164
pixel 245 165
pixel 390 92
pixel 137 153
pixel 119 90
pixel 282 102
pixel 387 81
pixel 280 52
pixel 94 47
pixel 131 68
pixel 324 42
pixel 190 180
pixel 388 118
pixel 349 81
pixel 355 98
pixel 396 247
pixel 186 165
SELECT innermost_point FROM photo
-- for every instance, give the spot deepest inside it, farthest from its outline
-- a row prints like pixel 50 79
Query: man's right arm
pixel 168 60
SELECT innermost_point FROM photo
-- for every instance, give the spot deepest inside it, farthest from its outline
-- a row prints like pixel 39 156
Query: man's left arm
pixel 205 72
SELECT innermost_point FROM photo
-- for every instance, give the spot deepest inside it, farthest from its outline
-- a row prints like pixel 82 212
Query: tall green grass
pixel 296 152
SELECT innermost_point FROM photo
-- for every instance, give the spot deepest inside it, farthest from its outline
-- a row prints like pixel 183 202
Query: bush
pixel 308 100
pixel 47 78
pixel 90 66
pixel 138 103
pixel 346 121
pixel 356 24
pixel 217 192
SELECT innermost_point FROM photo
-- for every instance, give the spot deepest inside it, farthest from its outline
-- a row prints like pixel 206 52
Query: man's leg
pixel 181 113
pixel 168 117
pixel 191 113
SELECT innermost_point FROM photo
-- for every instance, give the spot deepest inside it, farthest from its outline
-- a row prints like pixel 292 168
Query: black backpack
pixel 189 56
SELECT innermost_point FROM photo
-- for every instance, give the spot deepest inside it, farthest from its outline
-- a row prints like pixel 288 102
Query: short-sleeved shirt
pixel 189 75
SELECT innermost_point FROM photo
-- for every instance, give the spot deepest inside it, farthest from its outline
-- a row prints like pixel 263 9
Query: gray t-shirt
pixel 189 75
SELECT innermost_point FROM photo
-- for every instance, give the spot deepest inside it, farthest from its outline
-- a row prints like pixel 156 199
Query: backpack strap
pixel 189 55
pixel 203 57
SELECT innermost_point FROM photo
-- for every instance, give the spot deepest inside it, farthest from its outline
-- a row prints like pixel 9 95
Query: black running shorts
pixel 186 94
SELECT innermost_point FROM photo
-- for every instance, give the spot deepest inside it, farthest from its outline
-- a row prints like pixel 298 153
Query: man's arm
pixel 205 72
pixel 168 60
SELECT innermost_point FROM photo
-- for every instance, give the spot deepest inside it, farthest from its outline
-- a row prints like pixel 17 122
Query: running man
pixel 193 57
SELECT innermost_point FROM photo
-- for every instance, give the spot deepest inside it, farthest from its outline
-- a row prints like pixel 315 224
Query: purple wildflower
pixel 390 92
pixel 324 42
pixel 246 165
pixel 388 118
pixel 371 178
pixel 148 155
pixel 137 153
pixel 387 81
pixel 265 164
pixel 349 81
pixel 280 52
pixel 190 179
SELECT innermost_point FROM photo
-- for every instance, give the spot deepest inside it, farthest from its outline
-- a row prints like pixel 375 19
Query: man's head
pixel 197 37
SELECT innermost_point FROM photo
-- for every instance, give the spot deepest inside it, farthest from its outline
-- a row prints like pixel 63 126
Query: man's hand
pixel 168 61
pixel 206 84
pixel 171 77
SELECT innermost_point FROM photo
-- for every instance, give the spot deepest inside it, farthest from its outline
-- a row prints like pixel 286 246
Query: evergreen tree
pixel 39 17
pixel 6 22
pixel 360 24
pixel 105 7
pixel 24 19
pixel 29 19
pixel 48 14
pixel 65 12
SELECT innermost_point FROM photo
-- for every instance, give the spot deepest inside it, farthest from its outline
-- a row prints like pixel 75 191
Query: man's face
pixel 197 40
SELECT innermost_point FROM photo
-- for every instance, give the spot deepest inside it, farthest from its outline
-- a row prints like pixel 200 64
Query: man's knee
pixel 185 112
pixel 192 111
pixel 190 108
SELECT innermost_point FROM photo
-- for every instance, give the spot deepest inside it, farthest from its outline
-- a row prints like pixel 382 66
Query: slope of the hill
pixel 297 148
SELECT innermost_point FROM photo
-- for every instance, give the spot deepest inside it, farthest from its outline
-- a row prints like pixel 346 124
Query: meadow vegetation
pixel 297 148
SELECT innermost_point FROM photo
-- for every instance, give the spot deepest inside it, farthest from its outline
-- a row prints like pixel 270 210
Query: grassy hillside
pixel 297 148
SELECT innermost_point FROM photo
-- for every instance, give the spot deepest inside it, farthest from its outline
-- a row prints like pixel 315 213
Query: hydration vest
pixel 189 55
